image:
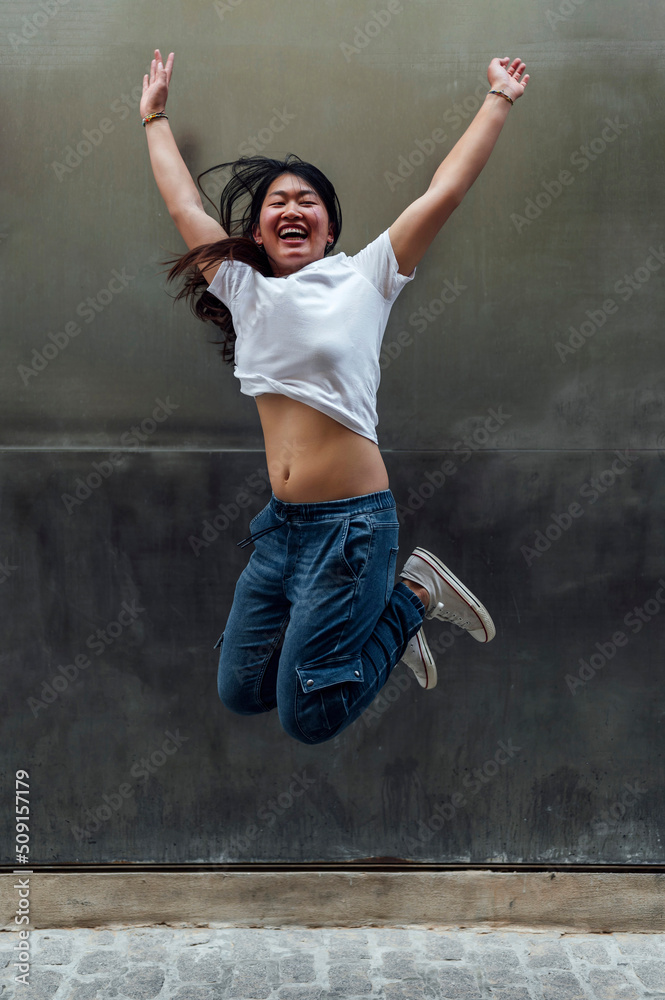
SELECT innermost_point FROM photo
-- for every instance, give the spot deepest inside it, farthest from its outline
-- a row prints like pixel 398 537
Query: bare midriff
pixel 312 457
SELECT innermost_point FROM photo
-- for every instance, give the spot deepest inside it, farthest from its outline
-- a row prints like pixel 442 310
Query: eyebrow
pixel 301 194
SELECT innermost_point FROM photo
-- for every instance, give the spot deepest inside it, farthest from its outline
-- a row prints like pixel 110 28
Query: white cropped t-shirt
pixel 315 335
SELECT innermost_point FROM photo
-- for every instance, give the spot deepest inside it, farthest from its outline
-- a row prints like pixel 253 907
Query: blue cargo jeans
pixel 317 621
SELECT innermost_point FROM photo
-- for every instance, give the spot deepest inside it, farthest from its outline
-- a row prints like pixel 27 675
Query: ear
pixel 256 231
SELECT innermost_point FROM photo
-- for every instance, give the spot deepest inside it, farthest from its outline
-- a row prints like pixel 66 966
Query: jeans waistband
pixel 365 504
pixel 383 500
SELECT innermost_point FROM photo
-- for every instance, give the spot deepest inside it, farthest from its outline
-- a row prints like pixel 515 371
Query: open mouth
pixel 293 234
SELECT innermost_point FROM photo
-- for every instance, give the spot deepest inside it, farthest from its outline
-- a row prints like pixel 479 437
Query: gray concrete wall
pixel 539 380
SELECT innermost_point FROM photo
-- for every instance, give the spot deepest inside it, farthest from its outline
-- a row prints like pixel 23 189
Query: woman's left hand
pixel 507 77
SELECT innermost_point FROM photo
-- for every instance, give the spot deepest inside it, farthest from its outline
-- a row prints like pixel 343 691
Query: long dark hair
pixel 251 176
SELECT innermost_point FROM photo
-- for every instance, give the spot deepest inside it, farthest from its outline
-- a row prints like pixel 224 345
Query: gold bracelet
pixel 503 95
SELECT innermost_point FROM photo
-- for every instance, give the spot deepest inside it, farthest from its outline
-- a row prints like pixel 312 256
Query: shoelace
pixel 452 616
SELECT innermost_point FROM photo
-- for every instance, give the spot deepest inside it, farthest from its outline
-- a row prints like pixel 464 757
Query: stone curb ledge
pixel 571 901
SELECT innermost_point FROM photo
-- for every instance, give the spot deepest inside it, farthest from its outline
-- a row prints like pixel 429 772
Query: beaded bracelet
pixel 156 114
pixel 503 95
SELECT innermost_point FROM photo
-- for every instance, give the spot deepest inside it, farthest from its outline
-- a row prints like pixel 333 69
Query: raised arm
pixel 414 230
pixel 174 180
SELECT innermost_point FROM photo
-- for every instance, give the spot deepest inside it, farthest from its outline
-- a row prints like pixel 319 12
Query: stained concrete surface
pixel 95 704
pixel 521 376
pixel 310 964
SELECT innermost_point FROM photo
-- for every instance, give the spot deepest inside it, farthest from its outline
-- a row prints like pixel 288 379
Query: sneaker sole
pixel 426 662
pixel 488 630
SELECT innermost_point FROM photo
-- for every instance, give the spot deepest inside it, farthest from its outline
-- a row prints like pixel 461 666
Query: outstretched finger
pixel 161 68
pixel 169 67
pixel 154 65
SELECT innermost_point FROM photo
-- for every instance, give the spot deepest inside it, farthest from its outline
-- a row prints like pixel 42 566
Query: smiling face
pixel 293 226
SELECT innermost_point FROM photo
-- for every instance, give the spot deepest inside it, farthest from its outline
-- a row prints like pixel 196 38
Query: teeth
pixel 297 232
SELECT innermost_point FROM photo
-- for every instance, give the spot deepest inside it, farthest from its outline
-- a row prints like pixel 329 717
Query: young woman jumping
pixel 318 622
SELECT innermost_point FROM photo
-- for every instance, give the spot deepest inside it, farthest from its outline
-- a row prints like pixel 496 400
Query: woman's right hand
pixel 156 86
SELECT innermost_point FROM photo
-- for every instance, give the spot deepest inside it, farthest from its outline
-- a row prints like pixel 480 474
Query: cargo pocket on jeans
pixel 390 581
pixel 322 701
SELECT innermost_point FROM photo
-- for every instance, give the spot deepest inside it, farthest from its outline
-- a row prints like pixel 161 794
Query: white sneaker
pixel 450 600
pixel 419 659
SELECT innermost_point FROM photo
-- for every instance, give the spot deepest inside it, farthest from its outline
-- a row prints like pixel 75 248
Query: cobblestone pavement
pixel 293 964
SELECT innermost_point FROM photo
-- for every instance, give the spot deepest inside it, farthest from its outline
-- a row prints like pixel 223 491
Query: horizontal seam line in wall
pixel 358 866
pixel 384 451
